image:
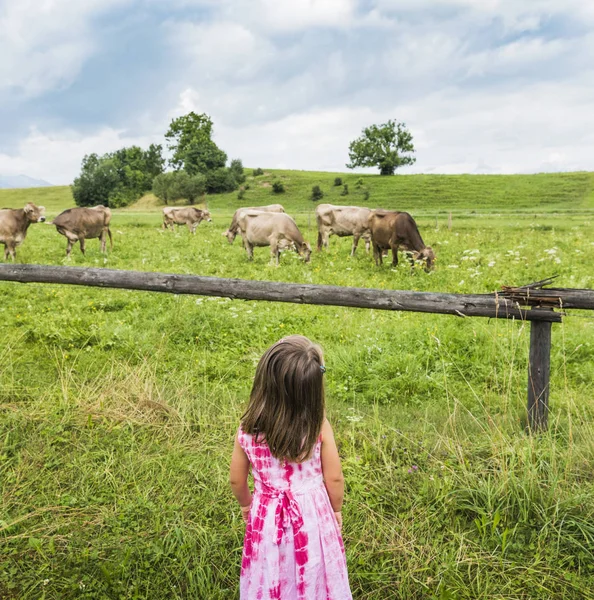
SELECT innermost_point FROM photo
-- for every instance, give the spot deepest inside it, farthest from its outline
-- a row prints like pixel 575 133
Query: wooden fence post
pixel 539 368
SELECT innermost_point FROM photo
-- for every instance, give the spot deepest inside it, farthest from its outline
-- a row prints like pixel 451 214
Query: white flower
pixel 453 266
pixel 492 263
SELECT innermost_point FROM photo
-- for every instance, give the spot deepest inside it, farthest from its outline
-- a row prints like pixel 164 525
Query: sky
pixel 484 86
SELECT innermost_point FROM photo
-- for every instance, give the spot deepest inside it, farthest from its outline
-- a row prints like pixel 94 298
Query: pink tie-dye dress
pixel 292 549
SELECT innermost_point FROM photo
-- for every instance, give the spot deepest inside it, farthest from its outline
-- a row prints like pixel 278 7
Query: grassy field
pixel 118 409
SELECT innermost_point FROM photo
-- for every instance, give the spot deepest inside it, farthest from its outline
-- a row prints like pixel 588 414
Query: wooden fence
pixel 533 303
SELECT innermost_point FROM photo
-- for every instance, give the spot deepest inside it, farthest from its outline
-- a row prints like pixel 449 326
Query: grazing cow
pixel 82 223
pixel 14 224
pixel 277 230
pixel 184 215
pixel 398 231
pixel 343 221
pixel 231 233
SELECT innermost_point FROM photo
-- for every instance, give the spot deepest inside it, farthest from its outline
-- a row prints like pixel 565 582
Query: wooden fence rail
pixel 529 303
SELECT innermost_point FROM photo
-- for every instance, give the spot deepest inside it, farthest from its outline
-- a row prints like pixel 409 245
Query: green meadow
pixel 118 409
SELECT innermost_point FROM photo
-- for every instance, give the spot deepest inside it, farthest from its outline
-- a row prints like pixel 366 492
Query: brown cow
pixel 14 224
pixel 398 231
pixel 83 223
pixel 233 230
pixel 277 230
pixel 184 215
pixel 343 221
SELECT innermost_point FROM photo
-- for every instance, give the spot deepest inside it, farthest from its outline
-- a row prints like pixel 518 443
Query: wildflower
pixel 413 469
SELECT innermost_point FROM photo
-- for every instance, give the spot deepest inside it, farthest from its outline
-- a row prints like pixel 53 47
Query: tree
pixel 236 167
pixel 118 178
pixel 169 187
pixel 384 146
pixel 96 182
pixel 190 140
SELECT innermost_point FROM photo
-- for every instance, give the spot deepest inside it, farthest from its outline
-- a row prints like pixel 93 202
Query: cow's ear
pixel 28 208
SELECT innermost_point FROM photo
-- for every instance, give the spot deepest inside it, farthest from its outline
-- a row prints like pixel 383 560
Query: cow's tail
pixel 319 240
pixel 110 239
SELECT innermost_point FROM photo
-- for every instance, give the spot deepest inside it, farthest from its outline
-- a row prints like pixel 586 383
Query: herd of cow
pixel 258 226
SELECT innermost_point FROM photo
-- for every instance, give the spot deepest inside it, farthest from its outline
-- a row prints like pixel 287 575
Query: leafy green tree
pixel 170 187
pixel 387 146
pixel 236 167
pixel 97 181
pixel 118 178
pixel 190 140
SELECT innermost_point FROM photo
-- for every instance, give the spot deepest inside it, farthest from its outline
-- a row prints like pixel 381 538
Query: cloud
pixel 57 156
pixel 46 42
pixel 498 85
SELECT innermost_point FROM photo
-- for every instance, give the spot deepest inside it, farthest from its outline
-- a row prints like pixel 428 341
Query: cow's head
pixel 230 235
pixel 306 251
pixel 427 256
pixel 35 214
pixel 206 215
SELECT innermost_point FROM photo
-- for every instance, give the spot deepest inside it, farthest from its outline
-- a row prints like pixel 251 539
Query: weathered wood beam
pixel 539 367
pixel 464 305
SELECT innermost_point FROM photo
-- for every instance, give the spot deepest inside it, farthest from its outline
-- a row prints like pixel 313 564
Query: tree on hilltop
pixel 386 146
pixel 190 140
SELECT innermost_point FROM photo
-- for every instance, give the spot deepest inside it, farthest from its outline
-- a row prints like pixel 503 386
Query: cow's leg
pixel 367 243
pixel 69 247
pixel 103 240
pixel 193 230
pixel 82 245
pixel 356 237
pixel 394 248
pixel 9 250
pixel 5 252
pixel 249 249
pixel 274 253
pixel 319 247
pixel 377 254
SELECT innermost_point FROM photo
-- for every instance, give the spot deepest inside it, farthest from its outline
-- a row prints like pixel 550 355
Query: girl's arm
pixel 238 475
pixel 331 468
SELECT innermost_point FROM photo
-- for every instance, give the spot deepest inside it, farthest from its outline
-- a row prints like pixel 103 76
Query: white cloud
pixel 57 156
pixel 44 43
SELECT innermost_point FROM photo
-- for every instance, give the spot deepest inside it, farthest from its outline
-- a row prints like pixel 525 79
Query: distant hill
pixel 21 181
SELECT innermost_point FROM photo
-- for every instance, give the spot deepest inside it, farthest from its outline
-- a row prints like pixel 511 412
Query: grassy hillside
pixel 417 194
pixel 118 408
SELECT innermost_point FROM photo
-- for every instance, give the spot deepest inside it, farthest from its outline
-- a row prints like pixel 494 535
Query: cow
pixel 231 233
pixel 343 221
pixel 277 230
pixel 84 223
pixel 398 231
pixel 14 223
pixel 184 215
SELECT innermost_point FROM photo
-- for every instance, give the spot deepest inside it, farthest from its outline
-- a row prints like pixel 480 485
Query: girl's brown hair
pixel 286 407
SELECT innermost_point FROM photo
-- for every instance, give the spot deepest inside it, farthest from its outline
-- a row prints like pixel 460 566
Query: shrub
pixel 278 187
pixel 337 182
pixel 316 193
pixel 366 195
pixel 220 181
pixel 241 194
pixel 345 190
pixel 359 182
pixel 257 172
pixel 247 186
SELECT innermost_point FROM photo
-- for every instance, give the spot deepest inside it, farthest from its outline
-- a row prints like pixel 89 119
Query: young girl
pixel 293 547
